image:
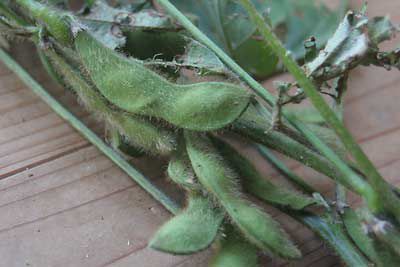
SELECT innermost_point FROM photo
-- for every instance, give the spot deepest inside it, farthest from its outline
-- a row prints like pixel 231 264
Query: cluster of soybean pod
pixel 146 111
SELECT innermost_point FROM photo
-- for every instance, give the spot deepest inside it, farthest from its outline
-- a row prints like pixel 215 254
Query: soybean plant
pixel 152 106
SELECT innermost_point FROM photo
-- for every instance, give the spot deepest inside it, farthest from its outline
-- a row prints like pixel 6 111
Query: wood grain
pixel 62 203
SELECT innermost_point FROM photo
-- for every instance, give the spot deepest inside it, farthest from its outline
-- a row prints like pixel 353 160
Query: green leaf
pixel 300 23
pixel 381 29
pixel 153 46
pixel 199 56
pixel 110 25
pixel 226 23
pixel 192 230
pixel 132 5
pixel 148 19
pixel 344 49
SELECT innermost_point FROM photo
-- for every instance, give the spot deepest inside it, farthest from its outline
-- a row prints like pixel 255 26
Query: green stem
pixel 390 202
pixel 284 170
pixel 349 178
pixel 11 15
pixel 187 24
pixel 55 21
pixel 88 134
pixel 249 78
pixel 338 107
pixel 334 234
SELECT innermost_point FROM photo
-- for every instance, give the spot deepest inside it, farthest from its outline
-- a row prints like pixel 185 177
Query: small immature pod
pixel 234 251
pixel 139 131
pixel 180 169
pixel 129 85
pixel 216 176
pixel 257 185
pixel 191 231
pixel 48 66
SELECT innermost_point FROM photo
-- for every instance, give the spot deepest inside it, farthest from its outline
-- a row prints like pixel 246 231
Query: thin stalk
pixel 390 201
pixel 187 24
pixel 338 107
pixel 349 178
pixel 284 170
pixel 30 6
pixel 334 234
pixel 325 226
pixel 11 15
pixel 88 134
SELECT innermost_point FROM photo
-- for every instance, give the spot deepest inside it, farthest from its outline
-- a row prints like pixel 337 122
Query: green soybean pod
pixel 257 185
pixel 129 85
pixel 121 143
pixel 140 132
pixel 234 251
pixel 216 176
pixel 191 231
pixel 180 169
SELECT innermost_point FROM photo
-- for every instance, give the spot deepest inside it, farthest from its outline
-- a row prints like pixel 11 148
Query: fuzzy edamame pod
pixel 215 175
pixel 193 230
pixel 180 169
pixel 257 185
pixel 129 85
pixel 140 132
pixel 197 226
pixel 234 251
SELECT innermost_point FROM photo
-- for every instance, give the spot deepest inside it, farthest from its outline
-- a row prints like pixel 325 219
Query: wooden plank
pixel 62 203
pixel 78 210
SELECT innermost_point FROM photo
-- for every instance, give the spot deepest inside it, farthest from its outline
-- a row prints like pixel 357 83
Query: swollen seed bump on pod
pixel 218 178
pixel 191 231
pixel 129 85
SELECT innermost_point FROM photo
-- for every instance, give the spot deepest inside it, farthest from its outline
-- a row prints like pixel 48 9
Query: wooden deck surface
pixel 62 203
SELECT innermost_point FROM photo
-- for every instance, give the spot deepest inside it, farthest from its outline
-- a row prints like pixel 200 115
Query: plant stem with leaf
pixel 389 200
